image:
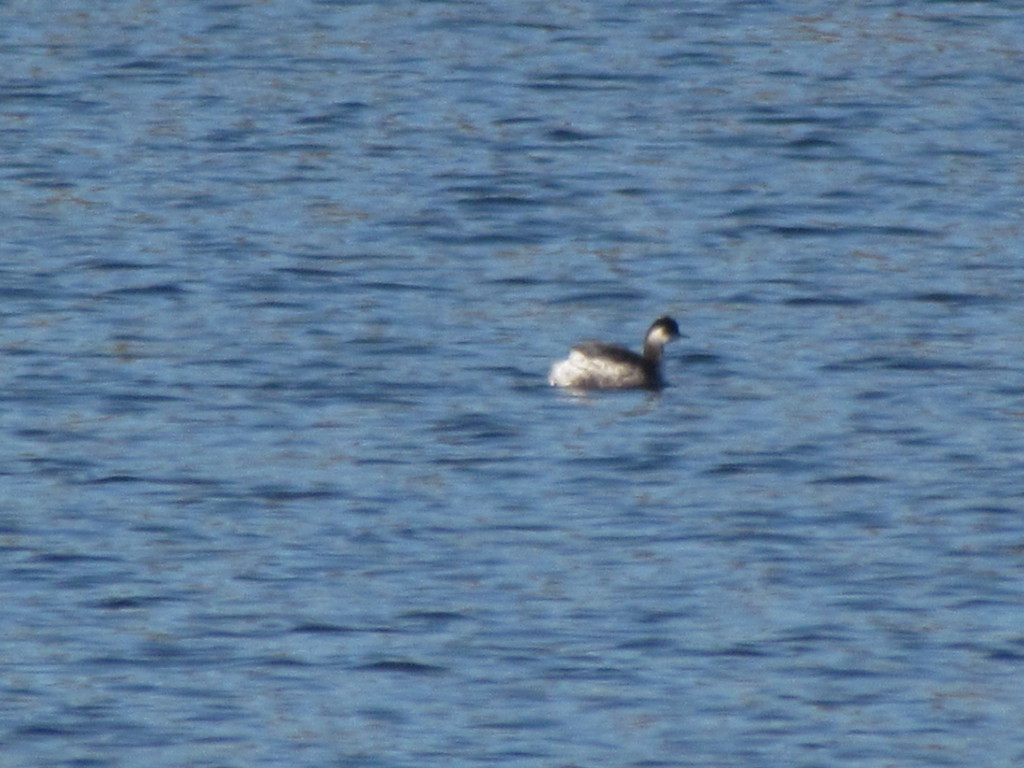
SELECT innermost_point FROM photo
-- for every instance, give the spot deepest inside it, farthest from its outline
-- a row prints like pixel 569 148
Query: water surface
pixel 281 480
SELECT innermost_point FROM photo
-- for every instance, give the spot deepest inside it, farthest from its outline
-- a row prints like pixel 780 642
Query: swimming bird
pixel 596 365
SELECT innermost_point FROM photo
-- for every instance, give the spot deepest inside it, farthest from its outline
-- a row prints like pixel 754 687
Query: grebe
pixel 595 365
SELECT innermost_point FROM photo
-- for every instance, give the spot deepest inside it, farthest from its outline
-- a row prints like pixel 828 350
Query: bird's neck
pixel 652 351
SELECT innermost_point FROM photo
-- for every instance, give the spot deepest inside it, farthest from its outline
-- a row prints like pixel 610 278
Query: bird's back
pixel 595 365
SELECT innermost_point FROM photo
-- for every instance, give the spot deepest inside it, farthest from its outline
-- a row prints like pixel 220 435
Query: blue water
pixel 281 479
